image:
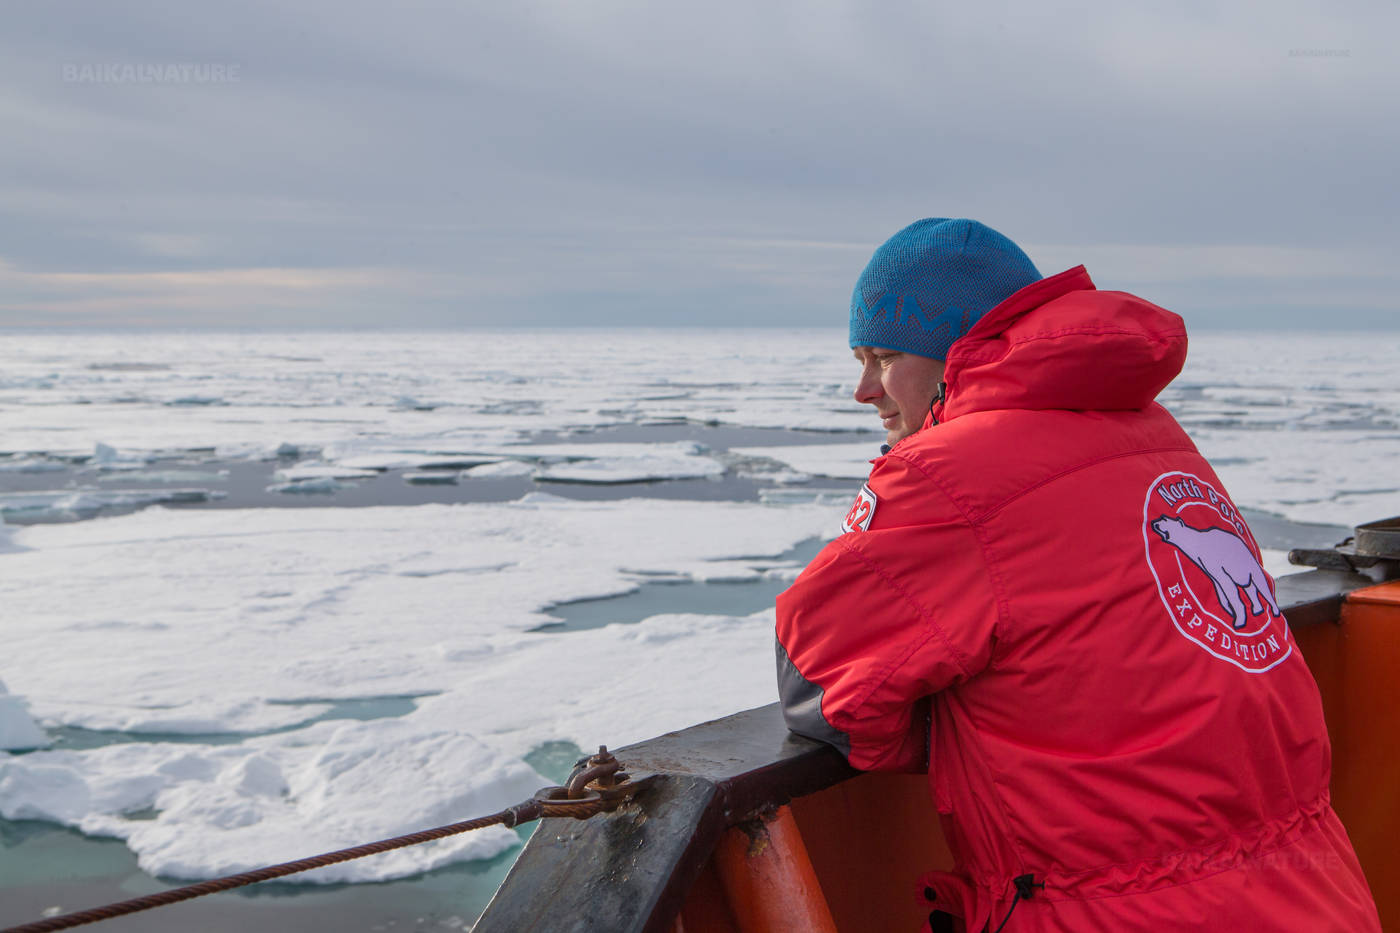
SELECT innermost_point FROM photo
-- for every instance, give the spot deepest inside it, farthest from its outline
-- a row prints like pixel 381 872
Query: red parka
pixel 1048 597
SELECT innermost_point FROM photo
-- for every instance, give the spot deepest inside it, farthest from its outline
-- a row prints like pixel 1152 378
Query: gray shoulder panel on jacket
pixel 802 705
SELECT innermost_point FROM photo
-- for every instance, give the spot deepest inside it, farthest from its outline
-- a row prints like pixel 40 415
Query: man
pixel 1046 597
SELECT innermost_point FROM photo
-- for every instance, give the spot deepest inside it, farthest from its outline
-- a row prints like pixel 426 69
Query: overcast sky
pixel 573 162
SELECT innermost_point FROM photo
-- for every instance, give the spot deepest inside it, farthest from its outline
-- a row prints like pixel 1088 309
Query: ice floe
pixel 18 730
pixel 106 457
pixel 30 464
pixel 68 504
pixel 361 456
pixel 7 543
pixel 244 624
pixel 312 486
pixel 833 461
pixel 625 463
pixel 316 469
pixel 499 469
pixel 223 809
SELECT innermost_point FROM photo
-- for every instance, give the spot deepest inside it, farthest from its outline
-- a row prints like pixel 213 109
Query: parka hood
pixel 1060 343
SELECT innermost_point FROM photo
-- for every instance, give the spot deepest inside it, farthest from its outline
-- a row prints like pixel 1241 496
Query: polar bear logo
pixel 1227 561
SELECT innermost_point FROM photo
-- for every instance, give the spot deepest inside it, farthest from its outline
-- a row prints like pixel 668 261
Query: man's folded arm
pixel 877 622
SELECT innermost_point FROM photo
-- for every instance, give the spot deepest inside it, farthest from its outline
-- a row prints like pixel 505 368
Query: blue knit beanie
pixel 930 282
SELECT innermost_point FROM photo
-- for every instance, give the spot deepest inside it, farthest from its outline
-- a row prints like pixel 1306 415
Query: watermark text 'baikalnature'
pixel 152 72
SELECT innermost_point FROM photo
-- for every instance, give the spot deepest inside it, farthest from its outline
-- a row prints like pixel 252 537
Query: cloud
pixel 181 245
pixel 1160 263
pixel 613 161
pixel 178 297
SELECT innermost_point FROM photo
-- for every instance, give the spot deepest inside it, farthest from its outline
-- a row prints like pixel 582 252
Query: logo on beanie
pixel 862 511
pixel 904 311
pixel 1206 564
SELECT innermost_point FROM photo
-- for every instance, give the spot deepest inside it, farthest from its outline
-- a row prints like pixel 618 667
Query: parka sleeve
pixel 881 620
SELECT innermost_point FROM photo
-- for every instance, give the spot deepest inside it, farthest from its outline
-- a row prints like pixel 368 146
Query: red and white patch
pixel 1208 573
pixel 862 511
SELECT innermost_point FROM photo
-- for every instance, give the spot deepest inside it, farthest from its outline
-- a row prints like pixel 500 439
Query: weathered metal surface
pixel 1379 539
pixel 613 872
pixel 629 871
pixel 1315 597
pixel 1373 550
pixel 750 757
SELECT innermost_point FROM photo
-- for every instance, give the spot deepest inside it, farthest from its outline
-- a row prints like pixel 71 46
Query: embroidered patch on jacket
pixel 1206 564
pixel 862 511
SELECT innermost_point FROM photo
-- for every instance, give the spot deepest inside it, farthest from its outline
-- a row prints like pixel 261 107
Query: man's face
pixel 901 386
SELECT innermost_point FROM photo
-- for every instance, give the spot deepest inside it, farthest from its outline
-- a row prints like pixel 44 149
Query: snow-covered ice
pixel 499 469
pixel 1301 425
pixel 253 621
pixel 7 543
pixel 223 809
pixel 629 463
pixel 108 457
pixel 18 730
pixel 62 504
pixel 23 464
pixel 834 461
pixel 469 390
pixel 315 469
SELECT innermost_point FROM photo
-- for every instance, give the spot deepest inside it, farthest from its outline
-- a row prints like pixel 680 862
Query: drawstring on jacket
pixel 1025 888
pixel 942 394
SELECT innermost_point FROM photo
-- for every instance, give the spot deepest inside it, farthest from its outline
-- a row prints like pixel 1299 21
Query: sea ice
pixel 573 381
pixel 499 469
pixel 835 461
pixel 31 465
pixel 316 469
pixel 1275 563
pixel 629 463
pixel 246 622
pixel 7 536
pixel 1317 415
pixel 404 460
pixel 457 449
pixel 68 504
pixel 18 730
pixel 246 625
pixel 166 476
pixel 320 486
pixel 223 809
pixel 1339 477
pixel 106 457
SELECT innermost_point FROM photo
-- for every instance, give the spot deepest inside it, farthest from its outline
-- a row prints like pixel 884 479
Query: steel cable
pixel 511 816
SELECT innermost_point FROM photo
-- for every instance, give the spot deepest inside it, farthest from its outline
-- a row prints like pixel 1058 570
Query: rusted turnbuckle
pixel 596 779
